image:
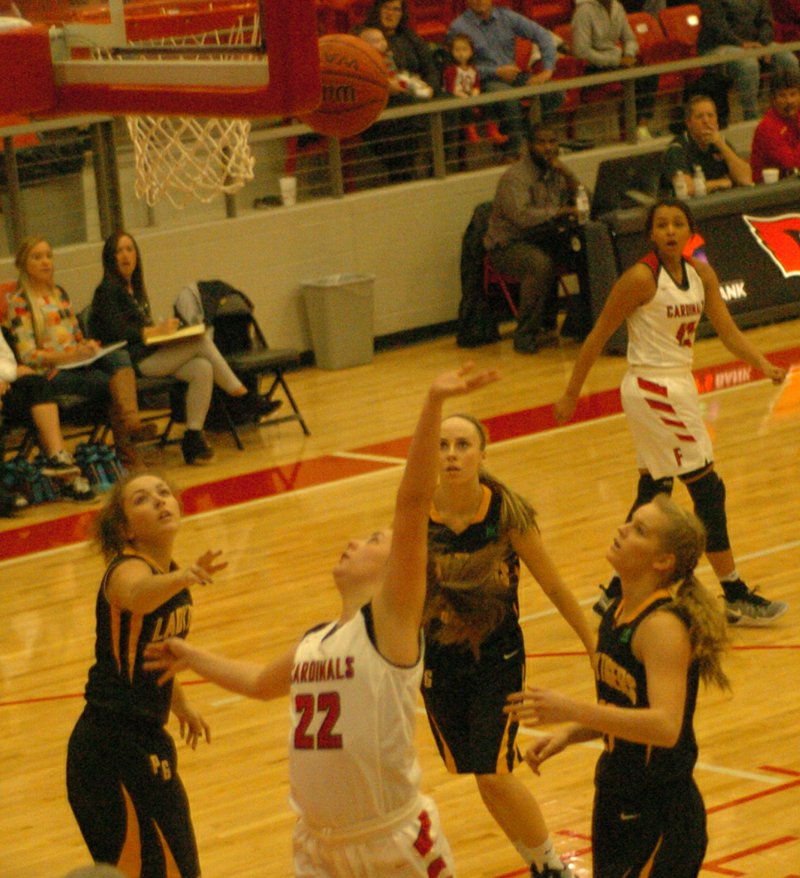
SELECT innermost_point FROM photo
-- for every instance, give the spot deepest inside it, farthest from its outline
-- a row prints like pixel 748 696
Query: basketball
pixel 355 87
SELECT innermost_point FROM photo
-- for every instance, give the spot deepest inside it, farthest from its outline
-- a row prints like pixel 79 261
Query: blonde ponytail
pixel 685 538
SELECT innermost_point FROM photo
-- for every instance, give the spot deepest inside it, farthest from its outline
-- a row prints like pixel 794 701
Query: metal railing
pixel 427 143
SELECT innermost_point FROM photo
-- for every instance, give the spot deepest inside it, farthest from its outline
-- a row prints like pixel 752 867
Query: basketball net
pixel 178 157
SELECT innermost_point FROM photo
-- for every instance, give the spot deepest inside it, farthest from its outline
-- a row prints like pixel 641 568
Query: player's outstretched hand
pixel 169 656
pixel 462 380
pixel 203 570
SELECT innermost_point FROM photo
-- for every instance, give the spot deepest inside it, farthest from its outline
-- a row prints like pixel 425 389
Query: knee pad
pixel 648 488
pixel 708 496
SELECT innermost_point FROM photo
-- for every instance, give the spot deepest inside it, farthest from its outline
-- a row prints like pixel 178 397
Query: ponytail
pixel 685 539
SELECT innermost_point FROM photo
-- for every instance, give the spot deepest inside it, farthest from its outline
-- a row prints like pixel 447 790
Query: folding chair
pixel 241 341
pixel 158 397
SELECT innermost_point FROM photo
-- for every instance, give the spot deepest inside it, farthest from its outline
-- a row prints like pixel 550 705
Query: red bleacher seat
pixel 430 18
pixel 682 23
pixel 548 13
pixel 656 48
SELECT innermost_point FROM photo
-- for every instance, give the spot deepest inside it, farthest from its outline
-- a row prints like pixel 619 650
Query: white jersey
pixel 352 760
pixel 661 332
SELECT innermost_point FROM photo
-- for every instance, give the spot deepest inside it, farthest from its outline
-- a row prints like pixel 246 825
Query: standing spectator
pixel 528 234
pixel 702 144
pixel 493 32
pixel 728 25
pixel 602 37
pixel 776 141
pixel 787 20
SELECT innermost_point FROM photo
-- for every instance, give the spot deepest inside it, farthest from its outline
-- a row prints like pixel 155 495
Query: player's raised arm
pixel 398 604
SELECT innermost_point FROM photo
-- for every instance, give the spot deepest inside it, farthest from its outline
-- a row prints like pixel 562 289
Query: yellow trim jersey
pixel 117 681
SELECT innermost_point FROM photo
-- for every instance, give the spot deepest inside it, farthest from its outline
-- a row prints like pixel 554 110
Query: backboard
pixel 136 57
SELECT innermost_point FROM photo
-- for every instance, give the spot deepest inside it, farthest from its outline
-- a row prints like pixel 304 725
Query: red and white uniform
pixel 353 769
pixel 658 392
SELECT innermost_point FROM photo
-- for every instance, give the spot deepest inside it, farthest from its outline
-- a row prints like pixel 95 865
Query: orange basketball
pixel 355 87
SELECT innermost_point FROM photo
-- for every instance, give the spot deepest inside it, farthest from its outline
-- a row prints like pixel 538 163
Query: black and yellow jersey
pixel 621 680
pixel 117 682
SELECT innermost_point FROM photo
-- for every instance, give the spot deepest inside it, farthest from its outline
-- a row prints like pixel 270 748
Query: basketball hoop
pixel 178 157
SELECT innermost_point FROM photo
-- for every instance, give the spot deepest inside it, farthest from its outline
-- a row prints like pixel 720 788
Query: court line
pixel 776 783
pixel 537 421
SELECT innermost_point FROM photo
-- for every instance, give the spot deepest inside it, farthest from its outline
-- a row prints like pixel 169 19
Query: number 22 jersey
pixel 353 714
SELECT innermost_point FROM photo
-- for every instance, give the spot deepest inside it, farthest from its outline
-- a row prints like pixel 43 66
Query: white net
pixel 178 157
pixel 184 157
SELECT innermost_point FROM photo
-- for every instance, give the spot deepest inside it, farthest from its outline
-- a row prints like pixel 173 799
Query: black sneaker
pixel 60 465
pixel 195 448
pixel 78 490
pixel 750 609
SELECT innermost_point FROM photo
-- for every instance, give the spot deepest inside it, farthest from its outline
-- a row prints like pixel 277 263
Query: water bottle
pixel 680 186
pixel 582 204
pixel 699 180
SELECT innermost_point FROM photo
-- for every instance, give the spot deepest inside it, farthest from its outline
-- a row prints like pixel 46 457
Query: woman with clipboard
pixel 121 312
pixel 48 339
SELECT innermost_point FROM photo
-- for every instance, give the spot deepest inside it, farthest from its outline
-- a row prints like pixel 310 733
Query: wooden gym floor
pixel 282 512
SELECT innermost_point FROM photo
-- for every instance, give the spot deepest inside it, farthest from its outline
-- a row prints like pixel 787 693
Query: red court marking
pixel 71 529
pixel 718 865
pixel 734 803
pixel 200 498
pixel 776 769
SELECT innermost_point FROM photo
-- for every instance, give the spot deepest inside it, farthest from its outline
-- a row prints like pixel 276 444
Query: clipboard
pixel 184 332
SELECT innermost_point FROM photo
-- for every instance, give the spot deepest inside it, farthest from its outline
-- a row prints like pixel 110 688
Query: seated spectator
pixel 702 144
pixel 409 51
pixel 26 397
pixel 786 14
pixel 461 79
pixel 528 234
pixel 396 142
pixel 728 25
pixel 602 37
pixel 776 141
pixel 493 32
pixel 121 312
pixel 47 336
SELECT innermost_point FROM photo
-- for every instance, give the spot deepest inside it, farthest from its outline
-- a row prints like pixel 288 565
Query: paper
pixel 183 332
pixel 101 353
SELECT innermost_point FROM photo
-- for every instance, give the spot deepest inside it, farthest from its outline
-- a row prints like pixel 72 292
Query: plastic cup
pixel 288 190
pixel 771 175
